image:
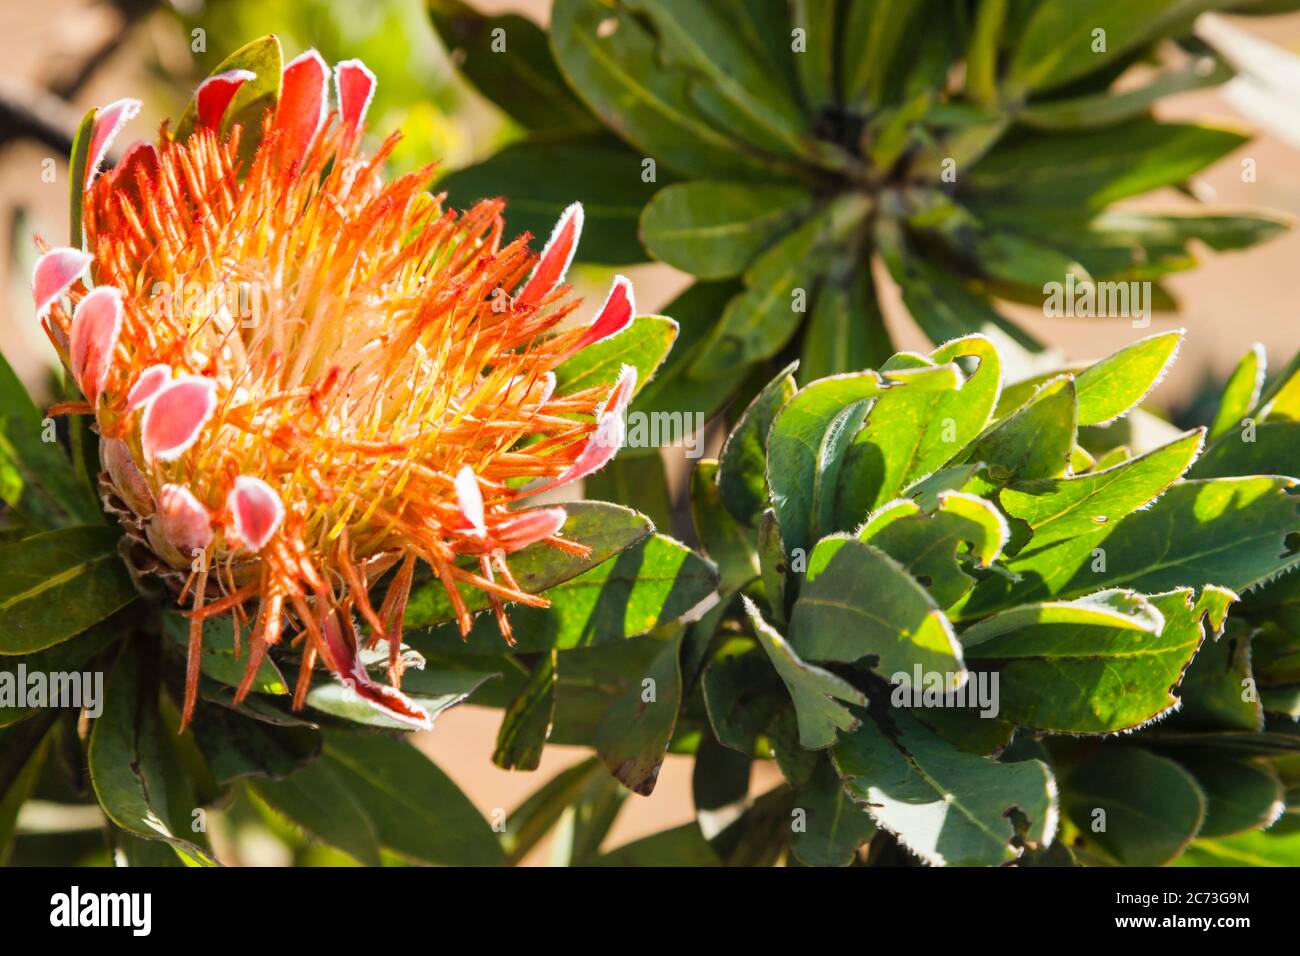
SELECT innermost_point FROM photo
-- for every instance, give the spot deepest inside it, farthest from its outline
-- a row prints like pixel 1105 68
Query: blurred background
pixel 60 57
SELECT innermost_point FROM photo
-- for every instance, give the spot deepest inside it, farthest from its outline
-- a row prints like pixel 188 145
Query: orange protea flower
pixel 366 380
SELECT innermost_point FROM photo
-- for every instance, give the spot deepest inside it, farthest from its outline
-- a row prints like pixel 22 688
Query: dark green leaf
pixel 528 720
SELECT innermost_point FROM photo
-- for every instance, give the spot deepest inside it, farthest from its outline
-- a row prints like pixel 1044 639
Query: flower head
pixel 306 376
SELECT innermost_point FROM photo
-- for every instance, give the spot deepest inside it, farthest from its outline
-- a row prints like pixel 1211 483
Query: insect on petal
pixel 215 93
pixel 176 415
pixel 185 522
pixel 147 385
pixel 109 121
pixel 470 498
pixel 304 96
pixel 96 325
pixel 529 527
pixel 354 86
pixel 556 257
pixel 54 274
pixel 614 316
pixel 257 511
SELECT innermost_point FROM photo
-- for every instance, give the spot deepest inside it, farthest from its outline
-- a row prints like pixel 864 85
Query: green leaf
pixel 719 785
pixel 36 479
pixel 622 698
pixel 234 747
pixel 680 846
pixel 23 751
pixel 910 434
pixel 78 166
pixel 856 602
pixel 774 569
pixel 1239 795
pixel 1058 509
pixel 527 824
pixel 1213 689
pixel 647 585
pixel 522 79
pixel 644 345
pixel 1109 108
pixel 758 323
pixel 416 809
pixel 1240 393
pixel 1269 448
pixel 541 179
pixel 1118 383
pixel 742 466
pixel 874 35
pixel 1034 441
pixel 586 822
pixel 847 330
pixel 815 64
pixel 133 766
pixel 948 807
pixel 606 528
pixel 1260 848
pixel 1036 176
pixel 218 660
pixel 320 801
pixel 1120 654
pixel 933 546
pixel 253 98
pixel 834 826
pixel 816 692
pixel 614 64
pixel 55 585
pixel 714 229
pixel 1227 531
pixel 528 719
pixel 1153 808
pixel 73 655
pixel 727 543
pixel 798 430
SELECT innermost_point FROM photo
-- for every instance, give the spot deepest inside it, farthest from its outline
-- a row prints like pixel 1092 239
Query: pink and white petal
pixel 304 101
pixel 147 385
pixel 257 511
pixel 185 523
pixel 54 274
pixel 354 85
pixel 215 93
pixel 556 257
pixel 126 476
pixel 529 527
pixel 109 121
pixel 470 499
pixel 341 657
pixel 606 440
pixel 96 326
pixel 614 316
pixel 175 416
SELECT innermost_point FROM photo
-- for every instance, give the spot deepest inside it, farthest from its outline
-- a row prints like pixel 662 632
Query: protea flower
pixel 384 397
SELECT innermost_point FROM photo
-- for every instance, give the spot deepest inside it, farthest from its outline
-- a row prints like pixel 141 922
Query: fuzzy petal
pixel 96 325
pixel 529 527
pixel 54 274
pixel 607 439
pixel 304 99
pixel 216 92
pixel 354 85
pixel 176 415
pixel 109 121
pixel 556 257
pixel 614 316
pixel 470 498
pixel 257 511
pixel 147 385
pixel 185 523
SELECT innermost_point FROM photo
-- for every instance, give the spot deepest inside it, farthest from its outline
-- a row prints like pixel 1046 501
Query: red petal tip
pixel 96 325
pixel 304 96
pixel 614 316
pixel 147 385
pixel 215 93
pixel 556 257
pixel 354 85
pixel 54 274
pixel 109 121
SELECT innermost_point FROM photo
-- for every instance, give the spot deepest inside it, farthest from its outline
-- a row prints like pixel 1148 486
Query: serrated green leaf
pixel 796 434
pixel 1214 689
pixel 55 585
pixel 816 692
pixel 857 602
pixel 714 229
pixel 948 807
pixel 1240 393
pixel 415 808
pixel 541 179
pixel 1033 442
pixel 1109 388
pixel 1057 509
pixel 1153 807
pixel 934 545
